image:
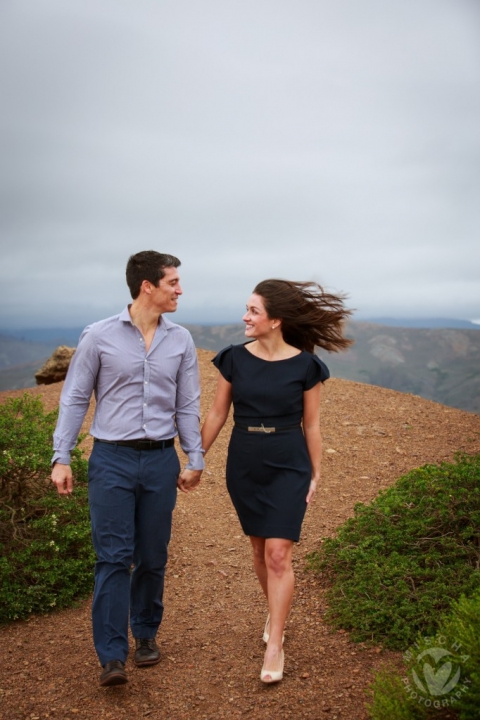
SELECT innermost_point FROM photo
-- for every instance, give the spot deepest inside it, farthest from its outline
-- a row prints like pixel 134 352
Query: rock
pixel 55 369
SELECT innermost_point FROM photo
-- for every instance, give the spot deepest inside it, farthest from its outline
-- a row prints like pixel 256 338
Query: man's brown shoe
pixel 113 673
pixel 146 652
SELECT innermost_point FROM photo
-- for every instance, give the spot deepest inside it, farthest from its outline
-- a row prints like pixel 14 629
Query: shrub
pixel 442 677
pixel 400 562
pixel 25 453
pixel 46 556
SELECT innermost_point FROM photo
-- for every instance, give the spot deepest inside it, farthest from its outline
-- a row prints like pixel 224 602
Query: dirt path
pixel 211 635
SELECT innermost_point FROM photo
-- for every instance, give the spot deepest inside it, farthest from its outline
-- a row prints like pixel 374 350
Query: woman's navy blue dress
pixel 268 474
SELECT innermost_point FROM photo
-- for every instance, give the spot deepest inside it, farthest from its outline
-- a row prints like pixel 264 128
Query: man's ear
pixel 146 287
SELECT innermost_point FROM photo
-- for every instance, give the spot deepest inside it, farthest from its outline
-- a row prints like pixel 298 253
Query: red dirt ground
pixel 211 637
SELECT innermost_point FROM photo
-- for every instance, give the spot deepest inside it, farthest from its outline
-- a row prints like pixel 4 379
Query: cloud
pixel 330 141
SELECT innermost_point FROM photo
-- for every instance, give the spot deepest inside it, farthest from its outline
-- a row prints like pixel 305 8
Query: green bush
pixel 442 675
pixel 25 453
pixel 46 556
pixel 400 562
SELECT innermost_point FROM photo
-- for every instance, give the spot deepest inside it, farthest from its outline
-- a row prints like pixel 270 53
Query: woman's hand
pixel 311 429
pixel 311 490
pixel 188 480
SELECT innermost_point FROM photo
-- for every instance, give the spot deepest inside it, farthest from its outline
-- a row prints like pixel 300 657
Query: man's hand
pixel 62 478
pixel 188 480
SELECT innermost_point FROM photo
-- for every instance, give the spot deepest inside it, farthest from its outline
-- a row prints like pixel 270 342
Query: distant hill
pixel 51 336
pixel 15 352
pixel 426 323
pixel 438 364
pixel 23 352
pixel 22 376
pixel 19 360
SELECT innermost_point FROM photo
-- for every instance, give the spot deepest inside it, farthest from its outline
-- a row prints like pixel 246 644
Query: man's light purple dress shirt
pixel 154 395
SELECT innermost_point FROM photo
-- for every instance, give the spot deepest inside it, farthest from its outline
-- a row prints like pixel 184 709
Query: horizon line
pixel 209 323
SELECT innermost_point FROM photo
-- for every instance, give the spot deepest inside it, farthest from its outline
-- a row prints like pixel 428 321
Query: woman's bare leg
pixel 280 584
pixel 258 546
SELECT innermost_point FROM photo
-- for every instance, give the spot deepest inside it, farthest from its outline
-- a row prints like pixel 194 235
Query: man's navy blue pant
pixel 132 495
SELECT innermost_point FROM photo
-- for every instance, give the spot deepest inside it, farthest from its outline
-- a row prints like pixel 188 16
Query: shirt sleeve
pixel 317 372
pixel 187 410
pixel 75 398
pixel 223 361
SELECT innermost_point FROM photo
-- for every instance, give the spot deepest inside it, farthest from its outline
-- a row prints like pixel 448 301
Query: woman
pixel 273 464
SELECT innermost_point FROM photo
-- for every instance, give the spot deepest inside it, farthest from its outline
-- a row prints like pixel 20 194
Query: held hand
pixel 188 480
pixel 62 478
pixel 311 490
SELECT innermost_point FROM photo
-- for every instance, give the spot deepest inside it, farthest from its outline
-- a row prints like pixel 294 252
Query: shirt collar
pixel 164 321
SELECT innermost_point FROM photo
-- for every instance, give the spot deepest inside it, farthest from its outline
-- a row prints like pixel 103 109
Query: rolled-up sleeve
pixel 187 408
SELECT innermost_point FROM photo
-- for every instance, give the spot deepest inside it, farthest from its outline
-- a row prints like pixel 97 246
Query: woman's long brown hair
pixel 310 316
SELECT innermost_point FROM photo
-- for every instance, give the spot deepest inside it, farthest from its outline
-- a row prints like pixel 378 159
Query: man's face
pixel 165 296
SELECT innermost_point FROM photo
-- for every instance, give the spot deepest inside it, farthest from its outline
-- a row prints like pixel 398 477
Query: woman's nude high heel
pixel 272 676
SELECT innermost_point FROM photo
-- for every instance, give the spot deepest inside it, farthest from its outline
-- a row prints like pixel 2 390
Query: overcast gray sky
pixel 307 139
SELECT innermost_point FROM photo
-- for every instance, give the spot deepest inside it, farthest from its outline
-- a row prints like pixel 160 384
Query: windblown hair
pixel 147 265
pixel 310 316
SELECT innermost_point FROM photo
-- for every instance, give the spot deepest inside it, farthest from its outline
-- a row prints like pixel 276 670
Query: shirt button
pixel 144 404
pixel 144 427
pixel 146 382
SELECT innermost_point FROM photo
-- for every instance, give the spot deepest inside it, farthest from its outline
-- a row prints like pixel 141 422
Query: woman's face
pixel 257 322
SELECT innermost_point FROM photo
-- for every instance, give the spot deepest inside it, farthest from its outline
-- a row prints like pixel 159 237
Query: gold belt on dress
pixel 262 428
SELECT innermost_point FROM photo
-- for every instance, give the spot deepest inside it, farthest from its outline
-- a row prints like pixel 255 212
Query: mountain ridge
pixel 442 365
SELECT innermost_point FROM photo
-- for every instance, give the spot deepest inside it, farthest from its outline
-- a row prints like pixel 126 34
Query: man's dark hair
pixel 147 265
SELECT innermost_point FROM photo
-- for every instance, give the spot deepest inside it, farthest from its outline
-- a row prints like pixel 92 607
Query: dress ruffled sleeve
pixel 317 372
pixel 223 362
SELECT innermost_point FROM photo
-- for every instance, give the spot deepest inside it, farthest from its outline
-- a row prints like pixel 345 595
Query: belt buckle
pixel 144 444
pixel 262 428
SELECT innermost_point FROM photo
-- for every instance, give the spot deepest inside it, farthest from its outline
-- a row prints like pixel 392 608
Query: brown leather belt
pixel 140 444
pixel 265 429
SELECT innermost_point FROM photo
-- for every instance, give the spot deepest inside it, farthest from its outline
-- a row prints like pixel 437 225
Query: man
pixel 144 373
